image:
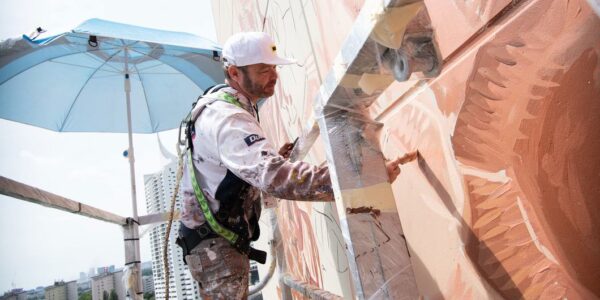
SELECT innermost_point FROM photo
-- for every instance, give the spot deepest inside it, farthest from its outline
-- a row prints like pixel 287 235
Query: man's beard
pixel 255 89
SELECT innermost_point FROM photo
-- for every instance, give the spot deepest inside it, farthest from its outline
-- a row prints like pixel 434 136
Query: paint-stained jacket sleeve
pixel 244 150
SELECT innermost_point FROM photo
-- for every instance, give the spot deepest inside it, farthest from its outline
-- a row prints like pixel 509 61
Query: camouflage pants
pixel 220 270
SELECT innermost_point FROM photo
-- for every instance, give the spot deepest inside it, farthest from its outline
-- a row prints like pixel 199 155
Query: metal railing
pixel 35 195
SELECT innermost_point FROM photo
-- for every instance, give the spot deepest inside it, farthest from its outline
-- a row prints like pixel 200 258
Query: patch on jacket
pixel 253 138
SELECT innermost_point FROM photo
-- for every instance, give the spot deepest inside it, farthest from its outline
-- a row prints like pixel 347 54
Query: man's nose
pixel 274 74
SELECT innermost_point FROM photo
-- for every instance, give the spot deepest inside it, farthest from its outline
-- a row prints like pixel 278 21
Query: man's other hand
pixel 286 150
pixel 393 166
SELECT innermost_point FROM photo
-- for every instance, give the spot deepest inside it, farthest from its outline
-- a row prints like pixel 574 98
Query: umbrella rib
pixel 145 73
pixel 153 48
pixel 171 55
pixel 81 89
pixel 101 61
pixel 150 67
pixel 41 62
pixel 144 54
pixel 109 76
pixel 76 65
pixel 128 46
pixel 106 41
pixel 160 73
pixel 199 51
pixel 123 44
pixel 148 55
pixel 145 96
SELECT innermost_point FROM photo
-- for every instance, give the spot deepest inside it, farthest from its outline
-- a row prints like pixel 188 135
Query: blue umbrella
pixel 106 77
pixel 75 81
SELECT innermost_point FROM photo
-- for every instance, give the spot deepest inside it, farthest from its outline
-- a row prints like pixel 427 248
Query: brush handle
pixel 408 157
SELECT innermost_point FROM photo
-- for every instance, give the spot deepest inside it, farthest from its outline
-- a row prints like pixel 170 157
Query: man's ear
pixel 234 72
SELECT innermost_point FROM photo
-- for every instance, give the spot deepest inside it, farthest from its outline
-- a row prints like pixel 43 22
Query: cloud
pixel 39 159
pixel 88 173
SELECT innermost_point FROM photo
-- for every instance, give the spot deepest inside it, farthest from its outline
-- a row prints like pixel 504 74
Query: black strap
pixel 190 238
pixel 214 88
pixel 191 119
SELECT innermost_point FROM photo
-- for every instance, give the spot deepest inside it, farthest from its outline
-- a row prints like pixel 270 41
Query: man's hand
pixel 393 166
pixel 286 150
pixel 393 169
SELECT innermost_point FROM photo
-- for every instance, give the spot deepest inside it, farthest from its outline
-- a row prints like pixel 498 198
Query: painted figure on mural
pixel 233 163
pixel 532 104
pixel 515 118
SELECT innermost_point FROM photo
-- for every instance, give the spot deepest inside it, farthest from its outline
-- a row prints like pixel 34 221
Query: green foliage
pixel 86 296
pixel 113 295
pixel 105 295
pixel 149 296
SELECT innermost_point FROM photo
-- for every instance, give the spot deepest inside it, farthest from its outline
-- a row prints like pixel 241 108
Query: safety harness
pixel 190 238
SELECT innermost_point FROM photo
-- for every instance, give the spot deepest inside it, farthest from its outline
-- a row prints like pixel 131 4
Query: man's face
pixel 258 80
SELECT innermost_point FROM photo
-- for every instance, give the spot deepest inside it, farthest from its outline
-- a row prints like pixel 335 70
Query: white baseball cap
pixel 249 48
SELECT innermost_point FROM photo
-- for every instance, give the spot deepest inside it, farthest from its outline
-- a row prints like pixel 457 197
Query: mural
pixel 531 104
pixel 503 202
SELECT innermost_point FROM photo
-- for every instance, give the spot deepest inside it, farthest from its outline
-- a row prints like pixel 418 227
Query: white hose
pixel 273 263
pixel 270 214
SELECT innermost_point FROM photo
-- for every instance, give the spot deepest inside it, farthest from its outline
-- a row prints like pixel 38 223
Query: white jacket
pixel 234 162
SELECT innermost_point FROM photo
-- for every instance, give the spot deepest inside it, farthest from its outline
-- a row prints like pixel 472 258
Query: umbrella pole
pixel 136 235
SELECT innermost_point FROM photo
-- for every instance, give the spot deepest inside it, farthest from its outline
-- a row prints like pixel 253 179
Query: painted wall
pixel 505 202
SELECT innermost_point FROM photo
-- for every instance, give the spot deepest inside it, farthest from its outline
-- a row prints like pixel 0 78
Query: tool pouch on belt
pixel 190 238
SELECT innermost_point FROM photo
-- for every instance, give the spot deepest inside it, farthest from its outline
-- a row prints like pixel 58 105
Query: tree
pixel 113 295
pixel 147 272
pixel 86 296
pixel 149 296
pixel 105 295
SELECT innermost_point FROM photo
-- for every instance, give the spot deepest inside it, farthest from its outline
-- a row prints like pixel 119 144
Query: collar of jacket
pixel 245 102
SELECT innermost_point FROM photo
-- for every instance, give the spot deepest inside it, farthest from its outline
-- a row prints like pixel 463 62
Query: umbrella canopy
pixel 75 81
pixel 107 77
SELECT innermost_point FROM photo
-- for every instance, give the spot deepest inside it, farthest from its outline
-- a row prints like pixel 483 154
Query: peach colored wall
pixel 505 202
pixel 313 242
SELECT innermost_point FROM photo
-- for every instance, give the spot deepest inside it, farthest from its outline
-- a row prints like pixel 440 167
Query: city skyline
pixel 85 167
pixel 145 265
pixel 159 188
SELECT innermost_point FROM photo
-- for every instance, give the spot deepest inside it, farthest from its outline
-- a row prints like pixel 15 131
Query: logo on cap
pixel 248 48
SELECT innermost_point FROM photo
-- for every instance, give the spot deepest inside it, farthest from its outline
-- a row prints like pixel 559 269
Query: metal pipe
pixel 158 218
pixel 307 290
pixel 31 194
pixel 135 240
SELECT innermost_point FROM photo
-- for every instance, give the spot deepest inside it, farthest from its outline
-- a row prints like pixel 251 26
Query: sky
pixel 39 245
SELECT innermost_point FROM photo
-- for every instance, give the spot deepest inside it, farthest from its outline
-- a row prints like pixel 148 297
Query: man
pixel 233 163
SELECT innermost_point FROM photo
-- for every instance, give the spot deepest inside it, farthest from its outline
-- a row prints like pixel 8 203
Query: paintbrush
pixel 303 143
pixel 408 157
